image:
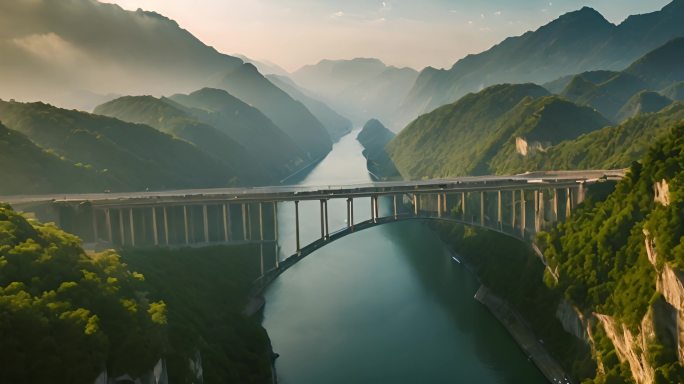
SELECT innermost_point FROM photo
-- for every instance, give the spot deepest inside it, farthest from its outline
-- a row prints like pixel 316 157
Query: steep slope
pixel 133 156
pixel 245 124
pixel 608 148
pixel 359 88
pixel 26 168
pixel 336 125
pixel 288 114
pixel 575 42
pixel 52 50
pixel 642 102
pixel 265 67
pixel 675 91
pixel 656 70
pixel 619 263
pixel 166 116
pixel 374 137
pixel 455 139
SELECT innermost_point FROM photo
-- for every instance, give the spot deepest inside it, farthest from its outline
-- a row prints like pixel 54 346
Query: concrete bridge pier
pixel 299 248
pixel 523 209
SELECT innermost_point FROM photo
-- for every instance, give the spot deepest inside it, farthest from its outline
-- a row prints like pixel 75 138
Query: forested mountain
pixel 575 42
pixel 619 262
pixel 264 67
pixel 360 88
pixel 641 103
pixel 462 138
pixel 607 148
pixel 374 137
pixel 239 136
pixel 27 168
pixel 610 92
pixel 336 125
pixel 130 156
pixel 53 49
pixel 675 91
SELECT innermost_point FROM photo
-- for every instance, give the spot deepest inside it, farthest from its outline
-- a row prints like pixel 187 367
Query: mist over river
pixel 384 305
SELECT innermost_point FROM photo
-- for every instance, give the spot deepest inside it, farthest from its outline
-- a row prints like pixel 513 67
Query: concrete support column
pixel 297 226
pixel 463 206
pixel 444 203
pixel 351 213
pixel 377 208
pixel 108 218
pixel 226 223
pixel 499 212
pixel 439 205
pixel 166 227
pixel 121 227
pixel 185 224
pixel 542 211
pixel 261 222
pixel 580 193
pixel 555 205
pixel 523 212
pixel 568 203
pixel 93 213
pixel 322 220
pixel 536 211
pixel 130 219
pixel 275 222
pixel 348 213
pixel 327 231
pixel 155 235
pixel 482 208
pixel 394 203
pixel 372 206
pixel 513 204
pixel 249 222
pixel 244 222
pixel 205 223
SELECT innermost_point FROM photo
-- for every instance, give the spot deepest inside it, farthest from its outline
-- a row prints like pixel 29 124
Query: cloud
pixel 497 13
pixel 338 14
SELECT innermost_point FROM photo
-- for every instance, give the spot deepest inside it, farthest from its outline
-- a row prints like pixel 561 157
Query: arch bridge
pixel 518 206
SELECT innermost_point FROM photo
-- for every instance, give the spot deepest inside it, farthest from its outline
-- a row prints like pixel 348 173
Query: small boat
pixel 456 259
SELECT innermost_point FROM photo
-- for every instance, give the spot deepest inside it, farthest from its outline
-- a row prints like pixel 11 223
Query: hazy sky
pixel 414 33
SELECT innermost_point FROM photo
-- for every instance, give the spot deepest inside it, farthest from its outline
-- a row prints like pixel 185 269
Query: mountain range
pixel 576 42
pixel 52 50
pixel 361 88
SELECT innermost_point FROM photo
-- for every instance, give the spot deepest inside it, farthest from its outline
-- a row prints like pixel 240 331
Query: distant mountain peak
pixel 585 15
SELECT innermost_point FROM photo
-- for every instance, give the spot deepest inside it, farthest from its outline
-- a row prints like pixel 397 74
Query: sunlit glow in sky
pixel 415 33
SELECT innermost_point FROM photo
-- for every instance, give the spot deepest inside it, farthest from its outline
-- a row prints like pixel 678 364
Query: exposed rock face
pixel 629 347
pixel 523 147
pixel 572 320
pixel 670 284
pixel 662 192
pixel 650 248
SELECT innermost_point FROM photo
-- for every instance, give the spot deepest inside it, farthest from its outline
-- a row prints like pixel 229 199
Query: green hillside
pixel 130 156
pixel 675 91
pixel 174 119
pixel 374 137
pixel 27 168
pixel 246 125
pixel 288 114
pixel 477 134
pixel 657 70
pixel 608 148
pixel 336 125
pixel 641 103
pixel 604 265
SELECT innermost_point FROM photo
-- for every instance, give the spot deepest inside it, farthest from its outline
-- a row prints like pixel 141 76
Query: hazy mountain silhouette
pixel 51 49
pixel 655 71
pixel 575 42
pixel 336 125
pixel 360 88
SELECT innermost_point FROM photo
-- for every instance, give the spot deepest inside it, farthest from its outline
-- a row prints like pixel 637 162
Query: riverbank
pixel 516 325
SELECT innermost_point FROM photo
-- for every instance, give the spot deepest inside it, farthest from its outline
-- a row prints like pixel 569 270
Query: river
pixel 384 305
